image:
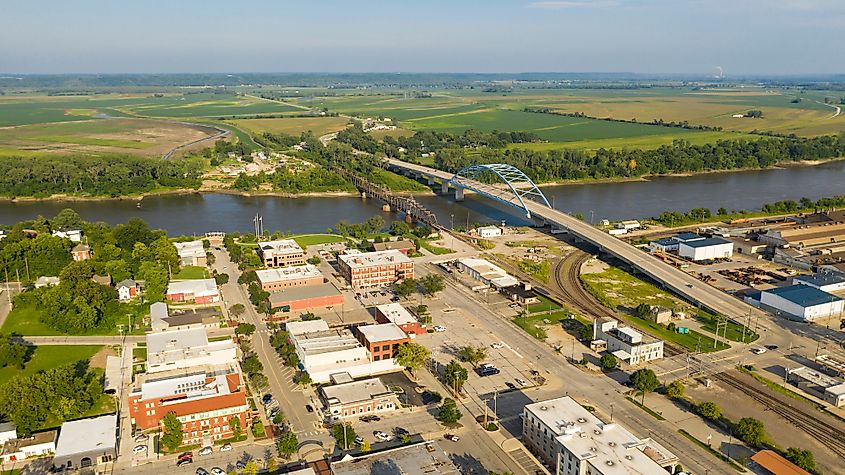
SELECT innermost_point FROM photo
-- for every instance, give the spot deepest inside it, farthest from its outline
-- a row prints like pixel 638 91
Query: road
pixel 220 134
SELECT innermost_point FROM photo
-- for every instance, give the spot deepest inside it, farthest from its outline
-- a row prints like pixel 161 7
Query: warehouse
pixel 824 281
pixel 706 249
pixel 301 299
pixel 802 302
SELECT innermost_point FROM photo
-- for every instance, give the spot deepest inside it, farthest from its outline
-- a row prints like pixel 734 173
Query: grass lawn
pixel 139 353
pixel 692 341
pixel 544 305
pixel 436 250
pixel 50 356
pixel 305 240
pixel 616 288
pixel 533 324
pixel 191 272
pixel 26 320
pixel 734 330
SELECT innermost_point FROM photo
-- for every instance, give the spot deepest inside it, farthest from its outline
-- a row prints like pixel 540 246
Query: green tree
pixel 250 468
pixel 472 354
pixel 344 435
pixel 252 365
pixel 449 412
pixel 245 329
pixel 709 410
pixel 399 228
pixel 412 356
pixel 155 276
pixel 237 310
pixel 172 437
pixel 221 279
pixel 454 376
pixel 287 445
pixel 675 389
pixel 405 287
pixel 802 458
pixel 608 362
pixel 645 381
pixel 314 260
pixel 432 283
pixel 235 425
pixel 750 430
pixel 66 219
pixel 13 353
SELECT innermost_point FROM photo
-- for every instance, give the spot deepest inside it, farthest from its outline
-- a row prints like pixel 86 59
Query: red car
pixel 186 455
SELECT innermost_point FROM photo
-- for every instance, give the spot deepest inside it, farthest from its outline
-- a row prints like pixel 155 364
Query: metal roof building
pixel 802 302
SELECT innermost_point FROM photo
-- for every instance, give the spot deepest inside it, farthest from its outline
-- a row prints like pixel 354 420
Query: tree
pixel 802 458
pixel 455 375
pixel 314 260
pixel 449 412
pixel 708 410
pixel 237 310
pixel 13 353
pixel 675 389
pixel 155 277
pixel 252 365
pixel 473 355
pixel 405 287
pixel 245 329
pixel 399 228
pixel 250 468
pixel 221 279
pixel 344 435
pixel 432 283
pixel 608 362
pixel 66 219
pixel 412 356
pixel 750 430
pixel 303 378
pixel 645 381
pixel 172 438
pixel 235 425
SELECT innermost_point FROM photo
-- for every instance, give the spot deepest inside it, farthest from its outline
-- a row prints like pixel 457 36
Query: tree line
pixel 681 125
pixel 701 215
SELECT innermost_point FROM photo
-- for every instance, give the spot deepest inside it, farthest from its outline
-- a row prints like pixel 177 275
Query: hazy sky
pixel 645 36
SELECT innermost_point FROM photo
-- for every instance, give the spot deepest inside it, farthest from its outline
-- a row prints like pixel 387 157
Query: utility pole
pixel 26 261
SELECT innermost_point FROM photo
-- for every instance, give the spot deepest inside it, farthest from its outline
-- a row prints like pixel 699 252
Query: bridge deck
pixel 679 281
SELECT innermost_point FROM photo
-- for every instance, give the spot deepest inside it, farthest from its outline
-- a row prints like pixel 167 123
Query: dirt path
pixel 837 108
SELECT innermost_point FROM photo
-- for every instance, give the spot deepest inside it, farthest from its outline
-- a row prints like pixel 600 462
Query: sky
pixel 641 36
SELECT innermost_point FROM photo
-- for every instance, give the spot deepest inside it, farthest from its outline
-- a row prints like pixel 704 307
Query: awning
pixel 622 355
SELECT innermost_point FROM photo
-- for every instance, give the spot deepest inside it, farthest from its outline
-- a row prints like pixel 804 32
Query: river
pixel 198 213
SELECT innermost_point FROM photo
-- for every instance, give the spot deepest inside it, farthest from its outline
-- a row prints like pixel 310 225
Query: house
pixel 302 299
pixel 196 290
pixel 191 253
pixel 46 281
pixel 405 246
pixel 8 431
pixel 382 340
pixel 625 343
pixel 127 289
pixel 706 249
pixel 358 398
pixel 293 276
pixel 188 348
pixel 281 253
pixel 87 443
pixel 375 269
pixel 74 235
pixel 183 318
pixel 802 302
pixel 102 279
pixel 522 294
pixel 824 281
pixel 487 232
pixel 396 314
pixel 659 315
pixel 81 252
pixel 36 445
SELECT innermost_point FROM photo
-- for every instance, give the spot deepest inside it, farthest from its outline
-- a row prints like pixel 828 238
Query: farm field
pixel 206 105
pixel 292 125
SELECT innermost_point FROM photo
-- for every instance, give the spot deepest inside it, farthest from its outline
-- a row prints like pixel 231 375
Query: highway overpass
pixel 669 276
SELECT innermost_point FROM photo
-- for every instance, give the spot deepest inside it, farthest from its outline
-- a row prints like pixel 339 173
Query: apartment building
pixel 375 269
pixel 281 253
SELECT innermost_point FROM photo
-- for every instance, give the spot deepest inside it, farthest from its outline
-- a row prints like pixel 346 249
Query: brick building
pixel 281 253
pixel 302 299
pixel 382 340
pixel 204 402
pixel 197 291
pixel 357 398
pixel 81 252
pixel 283 278
pixel 375 269
pixel 397 314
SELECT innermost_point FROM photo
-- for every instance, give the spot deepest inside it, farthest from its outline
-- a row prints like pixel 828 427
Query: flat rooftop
pixel 194 286
pixel 382 332
pixel 377 258
pixel 287 273
pixel 706 242
pixel 407 460
pixel 687 236
pixel 815 377
pixel 192 386
pixel 356 391
pixel 490 272
pixel 327 341
pixel 803 295
pixel 189 249
pixel 303 292
pixel 281 246
pixel 87 435
pixel 396 313
pixel 820 279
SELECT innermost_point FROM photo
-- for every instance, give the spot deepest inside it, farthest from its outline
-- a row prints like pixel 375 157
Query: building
pixel 127 290
pixel 625 343
pixel 87 443
pixel 572 441
pixel 281 253
pixel 36 445
pixel 102 279
pixel 802 302
pixel 628 225
pixel 664 245
pixel 375 269
pixel 8 431
pixel 196 290
pixel 706 249
pixel 687 236
pixel 806 236
pixel 183 318
pixel 81 252
pixel 659 315
pixel 191 253
pixel 285 277
pixel 425 458
pixel 818 384
pixel 46 281
pixel 405 246
pixel 205 402
pixel 190 348
pixel 74 235
pixel 487 232
pixel 357 398
pixel 768 462
pixel 824 281
pixel 302 299
pixel 487 273
pixel 382 340
pixel 522 294
pixel 397 314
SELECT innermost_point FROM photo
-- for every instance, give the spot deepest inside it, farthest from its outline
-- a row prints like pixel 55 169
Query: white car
pixel 758 351
pixel 439 328
pixel 207 450
pixel 218 471
pixel 226 447
pixel 139 449
pixel 141 438
pixel 521 382
pixel 497 345
pixel 382 436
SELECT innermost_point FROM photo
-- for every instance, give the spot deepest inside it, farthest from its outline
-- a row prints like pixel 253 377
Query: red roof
pixel 776 464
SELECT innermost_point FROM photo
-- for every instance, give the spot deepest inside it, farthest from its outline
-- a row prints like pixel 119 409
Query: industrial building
pixel 357 398
pixel 664 245
pixel 375 269
pixel 802 302
pixel 199 291
pixel 301 299
pixel 417 459
pixel 824 281
pixel 397 314
pixel 706 249
pixel 87 443
pixel 487 232
pixel 285 277
pixel 281 253
pixel 487 273
pixel 405 246
pixel 188 348
pixel 191 253
pixel 625 343
pixel 381 340
pixel 572 441
pixel 825 387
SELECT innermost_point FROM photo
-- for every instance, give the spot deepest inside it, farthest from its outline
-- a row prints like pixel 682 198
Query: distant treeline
pixel 682 125
pixel 701 215
pixel 107 175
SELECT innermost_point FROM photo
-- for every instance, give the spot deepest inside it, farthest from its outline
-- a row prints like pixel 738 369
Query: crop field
pixel 135 136
pixel 206 105
pixel 26 110
pixel 292 125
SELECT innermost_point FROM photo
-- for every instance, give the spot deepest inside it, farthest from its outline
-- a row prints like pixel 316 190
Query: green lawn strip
pixel 436 250
pixel 50 356
pixel 532 324
pixel 545 305
pixel 647 409
pixel 305 240
pixel 190 273
pixel 713 451
pixel 139 353
pixel 734 330
pixel 692 341
pixel 220 338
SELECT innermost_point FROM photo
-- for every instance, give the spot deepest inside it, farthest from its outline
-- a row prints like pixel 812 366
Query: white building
pixel 280 253
pixel 803 302
pixel 818 384
pixel 664 245
pixel 357 398
pixel 87 443
pixel 487 273
pixel 487 232
pixel 572 441
pixel 628 225
pixel 625 343
pixel 74 235
pixel 195 290
pixel 46 281
pixel 706 249
pixel 180 349
pixel 191 253
pixel 36 445
pixel 824 281
pixel 8 431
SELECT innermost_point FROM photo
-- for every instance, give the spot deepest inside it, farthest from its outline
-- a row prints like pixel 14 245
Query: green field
pixel 293 125
pixel 191 272
pixel 26 320
pixel 205 105
pixel 305 240
pixel 50 356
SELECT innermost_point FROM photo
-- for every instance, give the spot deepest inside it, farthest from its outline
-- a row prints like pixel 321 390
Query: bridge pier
pixel 459 194
pixel 430 181
pixel 444 188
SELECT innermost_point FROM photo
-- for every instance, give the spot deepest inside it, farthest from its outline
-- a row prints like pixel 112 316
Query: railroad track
pixel 831 437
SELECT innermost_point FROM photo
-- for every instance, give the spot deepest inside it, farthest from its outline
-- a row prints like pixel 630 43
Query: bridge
pixel 529 199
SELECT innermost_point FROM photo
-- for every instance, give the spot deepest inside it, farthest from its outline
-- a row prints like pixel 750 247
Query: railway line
pixel 826 434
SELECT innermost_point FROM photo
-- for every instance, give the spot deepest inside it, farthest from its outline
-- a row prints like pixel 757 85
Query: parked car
pixel 186 455
pixel 370 418
pixel 240 465
pixel 487 370
pixel 273 412
pixel 201 471
pixel 266 399
pixel 771 347
pixel 139 449
pixel 141 438
pixel 497 345
pixel 382 436
pixel 359 440
pixel 452 437
pixel 510 385
pixel 758 351
pixel 226 447
pixel 521 382
pixel 439 328
pixel 218 471
pixel 184 461
pixel 207 450
pixel 309 408
pixel 400 431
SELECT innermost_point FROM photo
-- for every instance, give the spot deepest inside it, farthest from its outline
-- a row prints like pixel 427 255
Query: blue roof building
pixel 687 236
pixel 803 302
pixel 826 281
